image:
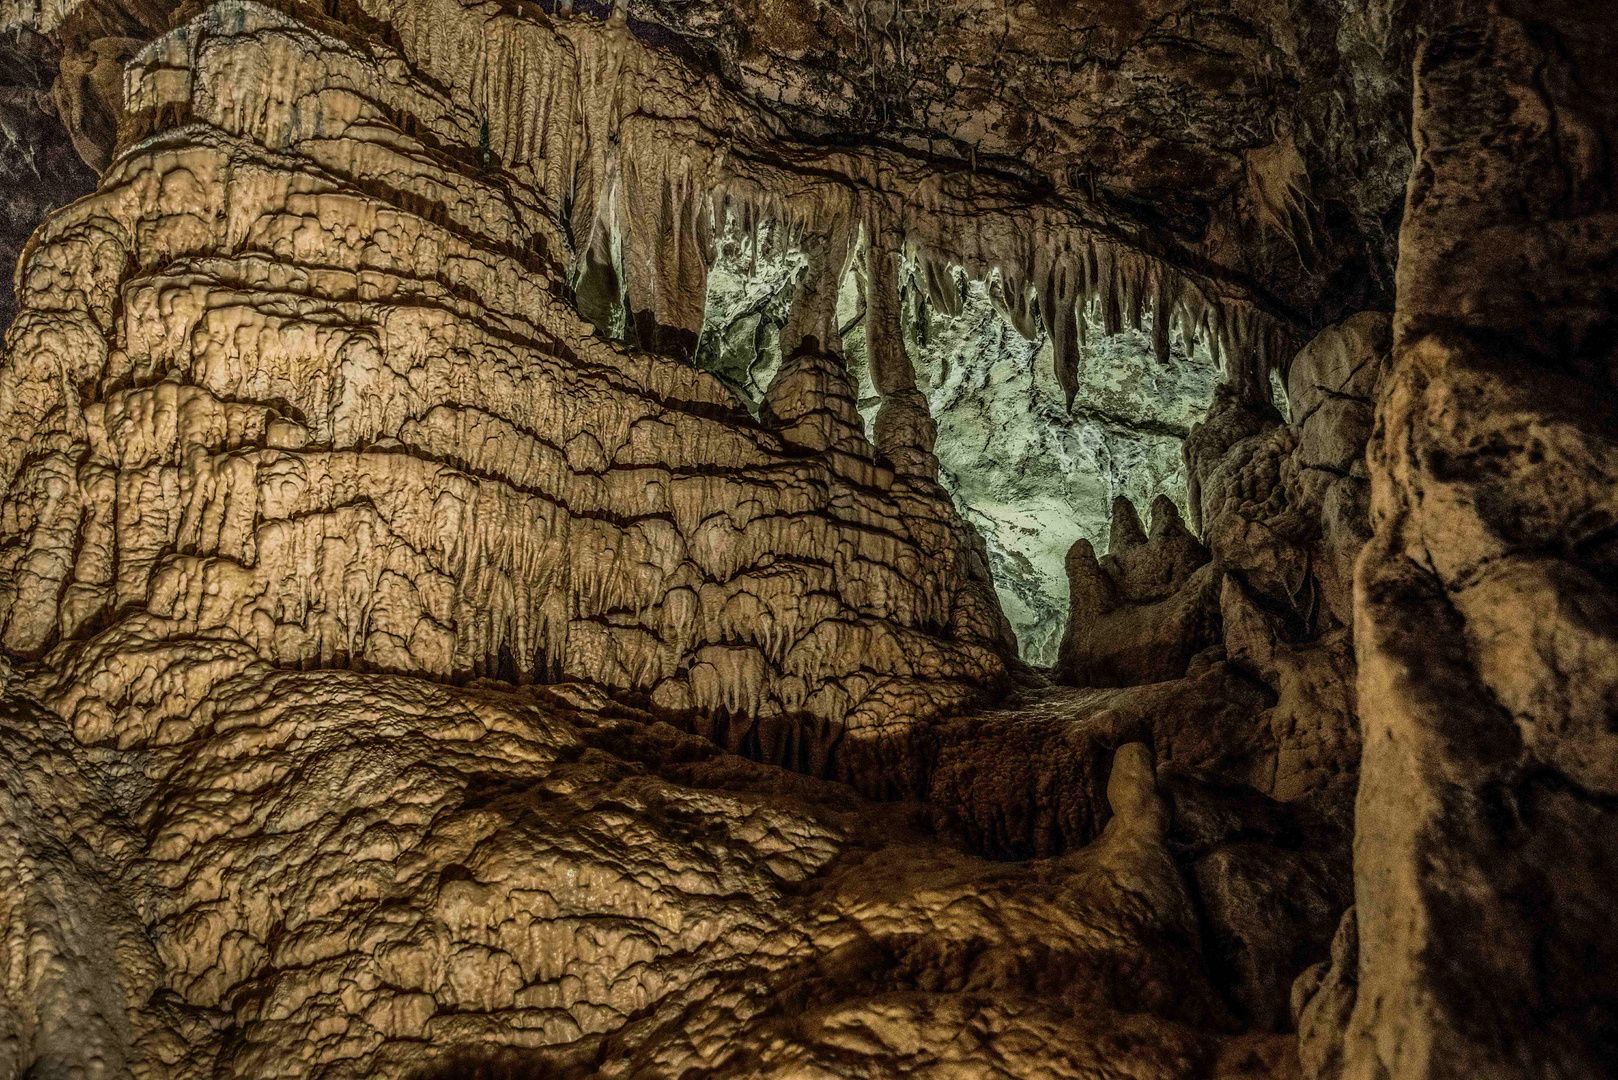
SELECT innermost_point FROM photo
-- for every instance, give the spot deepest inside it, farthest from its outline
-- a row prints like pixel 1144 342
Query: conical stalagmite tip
pixel 1165 517
pixel 1132 789
pixel 1127 531
pixel 1090 591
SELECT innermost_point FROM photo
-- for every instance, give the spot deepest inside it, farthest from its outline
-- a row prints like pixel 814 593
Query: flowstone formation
pixel 365 464
pixel 503 511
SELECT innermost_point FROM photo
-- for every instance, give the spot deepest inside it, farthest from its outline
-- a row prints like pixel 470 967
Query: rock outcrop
pixel 1141 612
pixel 350 423
pixel 338 874
pixel 1282 506
pixel 1265 824
pixel 1483 604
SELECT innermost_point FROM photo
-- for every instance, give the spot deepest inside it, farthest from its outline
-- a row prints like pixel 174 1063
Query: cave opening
pixel 1031 475
pixel 750 287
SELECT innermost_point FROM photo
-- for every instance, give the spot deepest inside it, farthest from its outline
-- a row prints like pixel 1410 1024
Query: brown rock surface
pixel 1484 861
pixel 342 874
pixel 1143 610
pixel 39 167
pixel 396 450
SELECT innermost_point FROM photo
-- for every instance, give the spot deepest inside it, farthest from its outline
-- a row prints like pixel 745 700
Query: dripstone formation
pixel 529 535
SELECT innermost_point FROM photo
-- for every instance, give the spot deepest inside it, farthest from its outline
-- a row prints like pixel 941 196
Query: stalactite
pixel 1057 309
pixel 813 313
pixel 1163 303
pixel 1013 299
pixel 891 370
pixel 942 291
pixel 608 165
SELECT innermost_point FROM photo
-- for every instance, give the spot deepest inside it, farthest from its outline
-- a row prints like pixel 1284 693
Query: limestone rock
pixel 1272 911
pixel 1153 106
pixel 1285 510
pixel 1053 749
pixel 1142 611
pixel 89 94
pixel 1033 475
pixel 1483 605
pixel 372 467
pixel 1323 1000
pixel 458 878
pixel 1272 879
pixel 39 167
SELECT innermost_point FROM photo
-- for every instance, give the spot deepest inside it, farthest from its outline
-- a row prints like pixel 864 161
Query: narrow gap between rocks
pixel 1030 475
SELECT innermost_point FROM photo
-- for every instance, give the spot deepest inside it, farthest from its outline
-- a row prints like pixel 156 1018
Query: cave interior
pixel 846 539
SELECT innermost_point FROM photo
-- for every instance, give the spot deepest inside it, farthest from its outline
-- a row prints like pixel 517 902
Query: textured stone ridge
pixel 1485 615
pixel 344 875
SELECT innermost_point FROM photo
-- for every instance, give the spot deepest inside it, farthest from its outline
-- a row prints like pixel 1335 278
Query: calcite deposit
pixel 701 538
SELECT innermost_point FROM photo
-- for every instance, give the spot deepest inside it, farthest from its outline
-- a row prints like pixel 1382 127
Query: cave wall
pixel 1483 604
pixel 332 404
pixel 40 168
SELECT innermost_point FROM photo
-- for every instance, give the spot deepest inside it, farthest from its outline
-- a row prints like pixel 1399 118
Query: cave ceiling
pixel 1265 137
pixel 1263 143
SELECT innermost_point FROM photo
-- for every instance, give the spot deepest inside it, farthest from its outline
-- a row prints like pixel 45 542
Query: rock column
pixel 1486 861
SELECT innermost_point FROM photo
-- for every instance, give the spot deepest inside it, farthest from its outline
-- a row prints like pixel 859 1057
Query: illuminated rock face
pixel 417 665
pixel 1034 476
pixel 334 408
pixel 1030 472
